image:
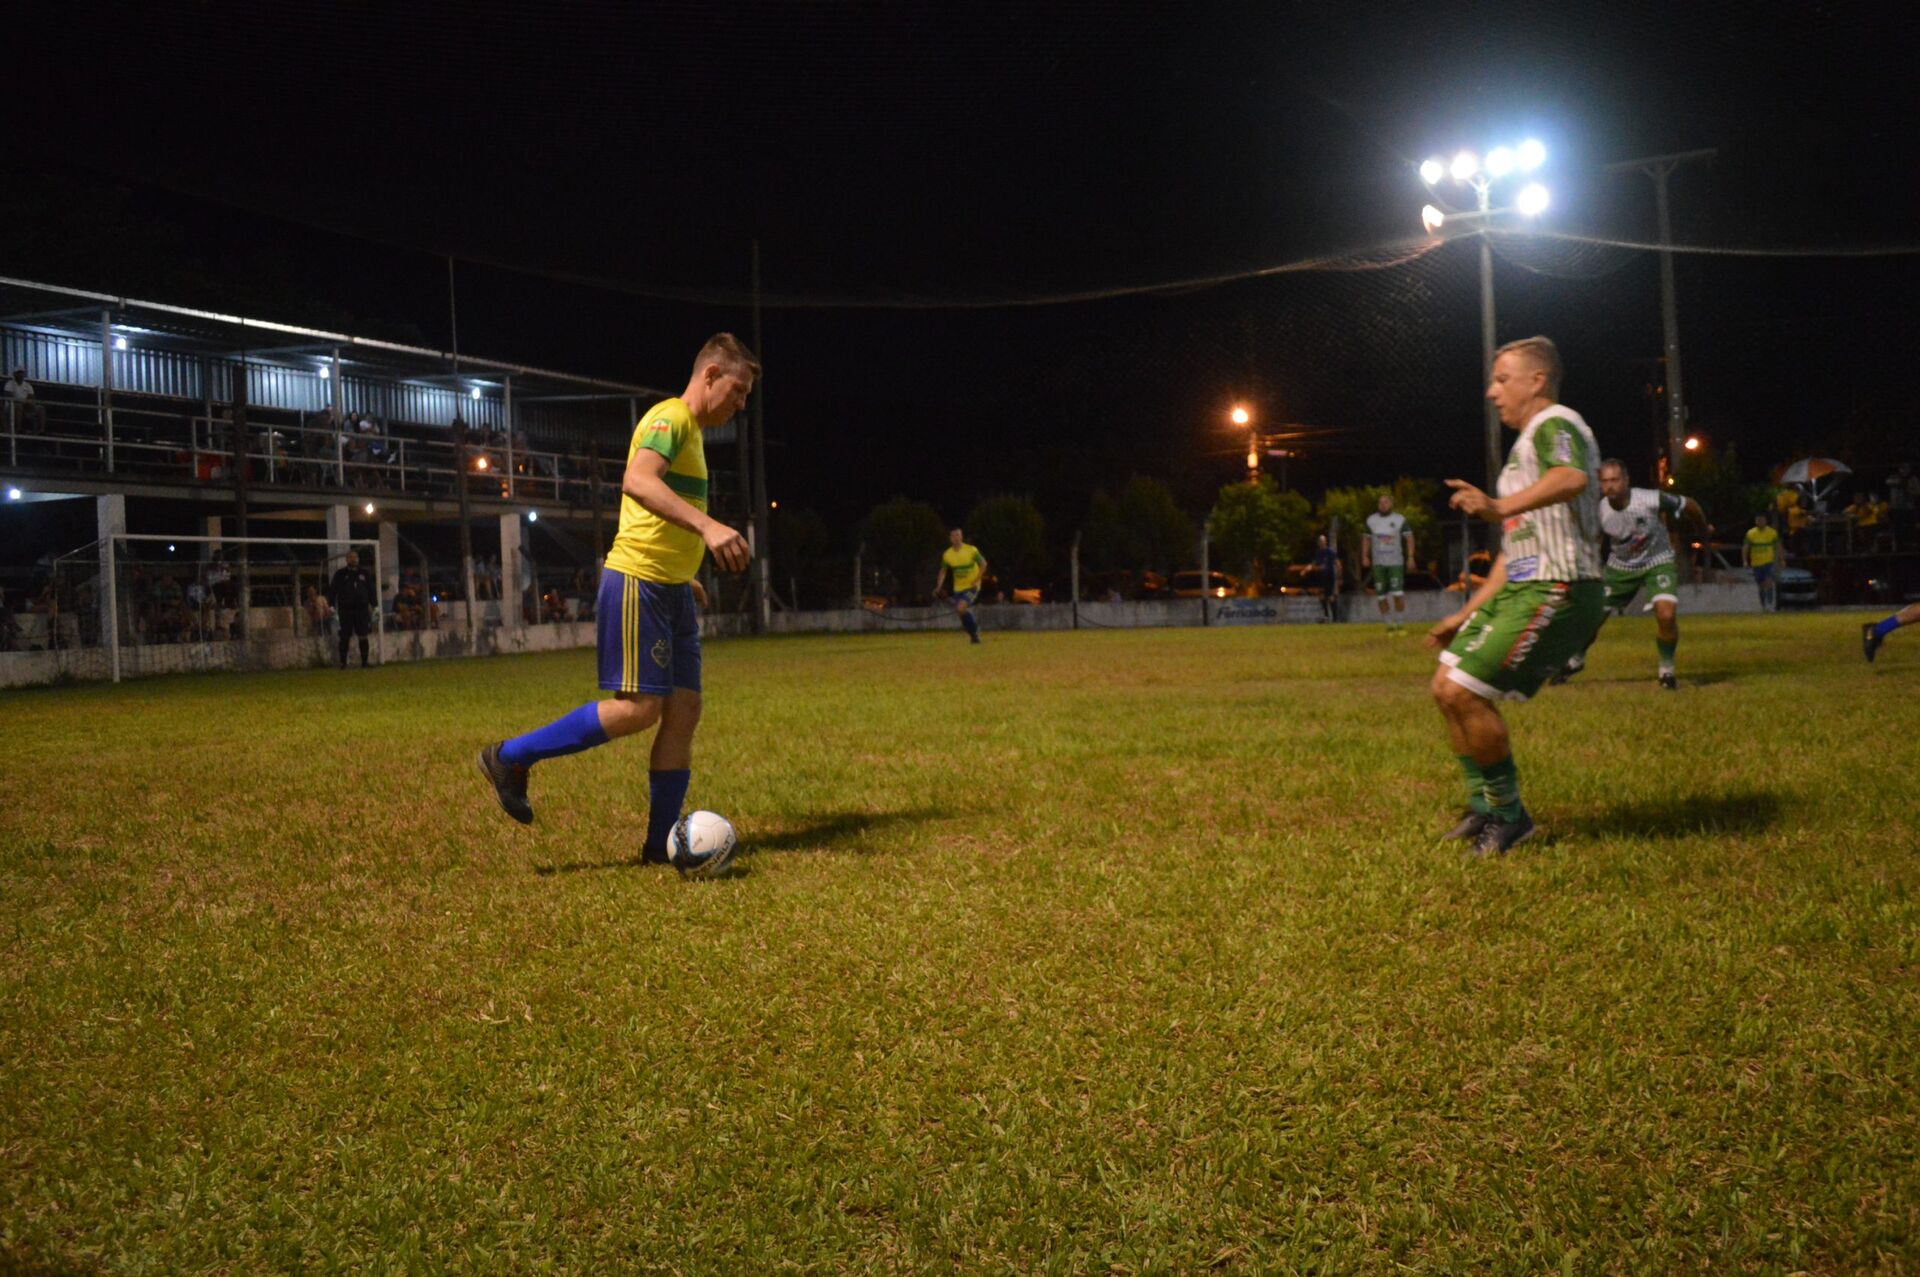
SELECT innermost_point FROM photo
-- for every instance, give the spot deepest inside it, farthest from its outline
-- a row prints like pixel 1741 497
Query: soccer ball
pixel 701 845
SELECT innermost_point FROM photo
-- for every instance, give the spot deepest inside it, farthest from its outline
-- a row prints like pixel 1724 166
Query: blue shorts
pixel 965 598
pixel 1762 573
pixel 649 635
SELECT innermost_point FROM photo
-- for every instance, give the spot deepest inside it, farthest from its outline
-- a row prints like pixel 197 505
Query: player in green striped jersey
pixel 1542 599
pixel 1640 557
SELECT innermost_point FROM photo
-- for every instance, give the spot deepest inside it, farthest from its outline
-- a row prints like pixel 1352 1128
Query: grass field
pixel 1087 952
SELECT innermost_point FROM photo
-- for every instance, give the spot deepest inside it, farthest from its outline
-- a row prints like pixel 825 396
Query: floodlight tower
pixel 1467 169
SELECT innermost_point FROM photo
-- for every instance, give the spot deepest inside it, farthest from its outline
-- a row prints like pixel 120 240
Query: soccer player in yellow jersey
pixel 648 614
pixel 969 567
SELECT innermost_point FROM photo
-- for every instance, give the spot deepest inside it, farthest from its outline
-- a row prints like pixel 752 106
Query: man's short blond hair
pixel 729 352
pixel 1543 353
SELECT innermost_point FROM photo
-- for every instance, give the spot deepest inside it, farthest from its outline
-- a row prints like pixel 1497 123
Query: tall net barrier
pixel 131 606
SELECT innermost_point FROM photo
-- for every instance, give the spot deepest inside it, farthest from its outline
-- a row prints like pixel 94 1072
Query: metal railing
pixel 144 442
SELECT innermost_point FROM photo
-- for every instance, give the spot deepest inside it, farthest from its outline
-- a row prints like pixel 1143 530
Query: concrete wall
pixel 20 669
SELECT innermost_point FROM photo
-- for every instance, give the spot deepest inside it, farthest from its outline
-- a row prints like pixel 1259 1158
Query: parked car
pixel 1099 587
pixel 1186 585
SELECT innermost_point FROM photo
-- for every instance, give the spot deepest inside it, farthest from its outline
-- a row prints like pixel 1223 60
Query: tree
pixel 1159 535
pixel 1712 478
pixel 1011 533
pixel 803 560
pixel 1104 544
pixel 1259 529
pixel 1413 498
pixel 904 539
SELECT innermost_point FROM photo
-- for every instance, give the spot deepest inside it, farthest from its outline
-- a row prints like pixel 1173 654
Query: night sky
pixel 924 178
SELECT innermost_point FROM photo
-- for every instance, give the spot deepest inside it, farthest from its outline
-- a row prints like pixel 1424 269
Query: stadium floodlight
pixel 1431 218
pixel 325 372
pixel 1240 415
pixel 119 343
pixel 169 547
pixel 1531 155
pixel 1532 200
pixel 1431 171
pixel 476 392
pixel 1465 165
pixel 13 494
pixel 1500 162
pixel 533 516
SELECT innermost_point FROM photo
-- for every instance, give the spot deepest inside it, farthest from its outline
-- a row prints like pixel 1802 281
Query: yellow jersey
pixel 965 563
pixel 646 545
pixel 1760 545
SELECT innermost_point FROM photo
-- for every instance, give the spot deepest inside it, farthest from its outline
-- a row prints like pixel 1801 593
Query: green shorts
pixel 1388 580
pixel 1662 579
pixel 1522 635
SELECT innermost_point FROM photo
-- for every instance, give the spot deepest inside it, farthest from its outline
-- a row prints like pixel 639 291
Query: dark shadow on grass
pixel 1733 811
pixel 821 833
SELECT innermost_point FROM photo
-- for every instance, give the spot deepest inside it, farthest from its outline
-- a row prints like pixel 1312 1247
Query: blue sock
pixel 577 730
pixel 972 626
pixel 1887 626
pixel 668 791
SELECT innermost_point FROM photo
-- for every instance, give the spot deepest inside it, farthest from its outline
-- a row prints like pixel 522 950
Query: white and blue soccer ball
pixel 702 845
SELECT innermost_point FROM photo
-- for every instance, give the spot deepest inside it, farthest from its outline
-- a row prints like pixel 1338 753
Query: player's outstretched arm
pixel 646 482
pixel 1559 484
pixel 1442 633
pixel 939 582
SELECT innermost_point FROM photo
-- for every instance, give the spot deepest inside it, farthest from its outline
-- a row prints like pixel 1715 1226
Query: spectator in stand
pixel 1903 498
pixel 352 596
pixel 26 415
pixel 10 636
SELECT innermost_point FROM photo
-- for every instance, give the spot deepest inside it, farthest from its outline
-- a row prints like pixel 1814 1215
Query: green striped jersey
pixel 1559 542
pixel 1388 533
pixel 1638 539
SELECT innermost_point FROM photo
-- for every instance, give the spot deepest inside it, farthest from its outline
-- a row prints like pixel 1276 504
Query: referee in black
pixel 353 602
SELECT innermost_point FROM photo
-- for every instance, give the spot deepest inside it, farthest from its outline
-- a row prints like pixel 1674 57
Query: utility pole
pixel 1659 168
pixel 763 542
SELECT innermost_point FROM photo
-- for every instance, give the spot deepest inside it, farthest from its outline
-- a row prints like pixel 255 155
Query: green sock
pixel 1476 783
pixel 1503 788
pixel 1666 654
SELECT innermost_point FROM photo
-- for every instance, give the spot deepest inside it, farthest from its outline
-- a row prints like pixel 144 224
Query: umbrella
pixel 1811 470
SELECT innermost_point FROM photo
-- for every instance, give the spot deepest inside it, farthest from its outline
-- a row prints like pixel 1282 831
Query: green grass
pixel 1076 952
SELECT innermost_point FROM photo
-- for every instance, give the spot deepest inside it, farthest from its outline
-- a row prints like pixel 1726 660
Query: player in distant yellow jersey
pixel 648 612
pixel 969 568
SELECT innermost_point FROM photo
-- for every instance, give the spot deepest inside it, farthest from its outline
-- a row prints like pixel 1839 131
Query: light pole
pixel 1659 168
pixel 1469 170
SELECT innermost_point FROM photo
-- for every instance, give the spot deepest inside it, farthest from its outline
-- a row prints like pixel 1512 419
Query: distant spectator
pixel 319 611
pixel 27 416
pixel 352 596
pixel 1903 497
pixel 1326 577
pixel 1761 549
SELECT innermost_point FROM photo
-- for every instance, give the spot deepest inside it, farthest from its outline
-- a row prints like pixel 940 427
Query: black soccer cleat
pixel 509 784
pixel 1870 640
pixel 1669 682
pixel 1471 823
pixel 1498 836
pixel 1573 666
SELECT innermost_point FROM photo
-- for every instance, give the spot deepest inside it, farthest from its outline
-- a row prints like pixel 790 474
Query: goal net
pixel 134 604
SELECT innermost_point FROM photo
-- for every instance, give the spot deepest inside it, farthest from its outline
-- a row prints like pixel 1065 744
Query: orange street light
pixel 1240 415
pixel 1692 444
